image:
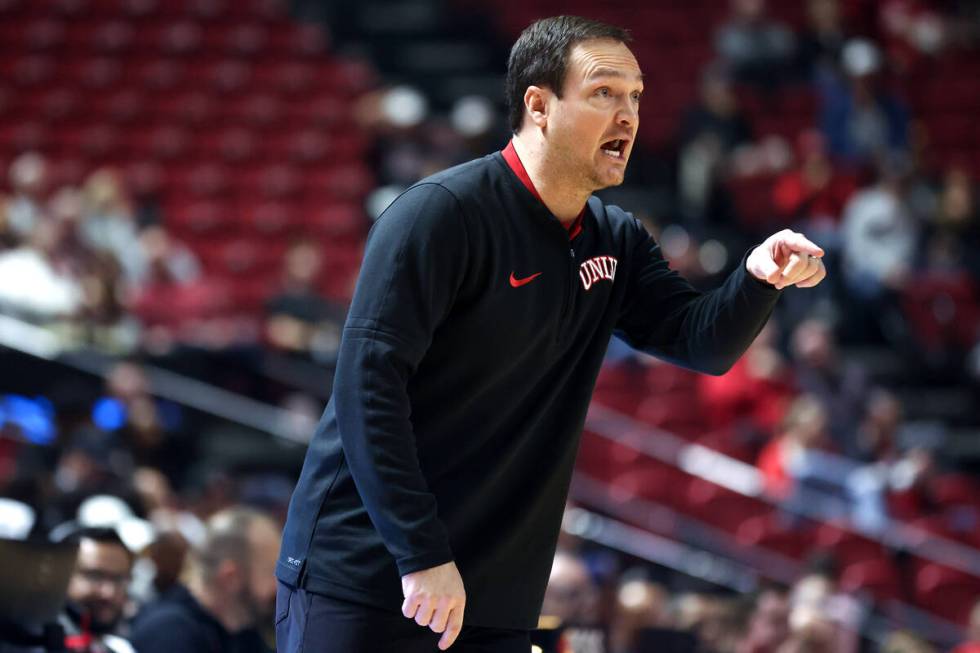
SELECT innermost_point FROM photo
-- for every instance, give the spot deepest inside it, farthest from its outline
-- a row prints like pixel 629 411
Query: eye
pixel 603 91
pixel 637 95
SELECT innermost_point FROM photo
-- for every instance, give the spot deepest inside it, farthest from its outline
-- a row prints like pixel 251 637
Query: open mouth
pixel 615 148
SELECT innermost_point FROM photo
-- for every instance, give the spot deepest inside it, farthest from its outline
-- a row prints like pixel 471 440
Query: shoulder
pixel 162 620
pixel 117 644
pixel 438 204
pixel 620 224
pixel 466 178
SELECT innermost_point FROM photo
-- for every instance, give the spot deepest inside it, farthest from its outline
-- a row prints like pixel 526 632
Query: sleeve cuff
pixel 751 281
pixel 423 561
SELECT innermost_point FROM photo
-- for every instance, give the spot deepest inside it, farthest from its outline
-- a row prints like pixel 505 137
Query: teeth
pixel 615 153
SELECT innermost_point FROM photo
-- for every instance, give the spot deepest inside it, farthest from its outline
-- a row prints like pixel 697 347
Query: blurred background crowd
pixel 188 188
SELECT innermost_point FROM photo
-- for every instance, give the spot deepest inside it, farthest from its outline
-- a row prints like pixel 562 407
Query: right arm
pixel 413 265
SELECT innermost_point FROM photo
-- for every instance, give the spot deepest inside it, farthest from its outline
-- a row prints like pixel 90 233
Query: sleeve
pixel 664 315
pixel 413 265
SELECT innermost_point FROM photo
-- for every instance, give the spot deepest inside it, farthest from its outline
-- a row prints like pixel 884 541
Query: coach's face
pixel 593 125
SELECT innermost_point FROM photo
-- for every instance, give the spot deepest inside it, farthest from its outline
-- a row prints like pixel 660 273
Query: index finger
pixel 453 629
pixel 800 243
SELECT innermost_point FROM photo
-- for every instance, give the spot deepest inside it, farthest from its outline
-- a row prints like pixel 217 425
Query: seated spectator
pixel 28 177
pixel 150 428
pixel 97 593
pixel 768 626
pixel 798 467
pixel 8 237
pixel 173 293
pixel 880 236
pixel 640 604
pixel 814 195
pixel 33 284
pixel 953 234
pixel 840 385
pixel 717 621
pixel 169 262
pixel 108 224
pixel 298 318
pixel 709 132
pixel 755 48
pixel 862 121
pixel 229 596
pixel 821 617
pixel 571 595
pixel 820 43
pixel 755 393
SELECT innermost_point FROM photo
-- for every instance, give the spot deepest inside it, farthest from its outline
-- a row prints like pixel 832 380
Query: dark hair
pixel 102 535
pixel 540 56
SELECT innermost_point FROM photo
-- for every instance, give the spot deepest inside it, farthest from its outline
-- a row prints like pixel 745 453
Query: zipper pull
pixel 572 250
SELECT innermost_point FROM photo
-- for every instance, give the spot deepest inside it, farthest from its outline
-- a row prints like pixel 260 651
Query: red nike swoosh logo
pixel 517 283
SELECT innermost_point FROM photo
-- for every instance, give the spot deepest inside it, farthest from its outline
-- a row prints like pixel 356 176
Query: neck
pixel 556 185
pixel 227 612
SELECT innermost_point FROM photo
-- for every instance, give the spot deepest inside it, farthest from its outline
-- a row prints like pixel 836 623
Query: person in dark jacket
pixel 229 596
pixel 433 488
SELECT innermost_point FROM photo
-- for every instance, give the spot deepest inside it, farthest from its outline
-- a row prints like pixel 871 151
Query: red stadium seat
pixel 271 219
pixel 189 108
pixel 621 386
pixel 113 37
pixel 603 459
pixel 164 144
pixel 41 35
pixel 31 70
pixel 947 592
pixel 125 106
pixel 347 181
pixel 163 76
pixel 339 221
pixel 260 110
pixel 876 576
pixel 180 38
pixel 770 532
pixel 956 489
pixel 847 547
pixel 198 220
pixel 245 40
pixel 721 507
pixel 648 484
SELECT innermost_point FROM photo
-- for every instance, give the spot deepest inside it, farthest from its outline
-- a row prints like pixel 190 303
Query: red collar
pixel 574 228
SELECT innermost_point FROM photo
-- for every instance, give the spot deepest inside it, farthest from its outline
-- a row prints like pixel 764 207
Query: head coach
pixel 429 504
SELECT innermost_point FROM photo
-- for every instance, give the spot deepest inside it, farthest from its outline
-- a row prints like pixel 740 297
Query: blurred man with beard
pixel 230 591
pixel 97 593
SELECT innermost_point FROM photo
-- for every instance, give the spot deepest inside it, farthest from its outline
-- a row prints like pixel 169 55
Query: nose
pixel 628 115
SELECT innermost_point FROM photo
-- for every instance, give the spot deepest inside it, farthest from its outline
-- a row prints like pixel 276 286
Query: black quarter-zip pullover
pixel 466 367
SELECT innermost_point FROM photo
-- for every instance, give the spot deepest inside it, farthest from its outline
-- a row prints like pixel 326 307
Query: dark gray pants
pixel 314 623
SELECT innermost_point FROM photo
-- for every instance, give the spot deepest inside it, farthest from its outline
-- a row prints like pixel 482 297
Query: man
pixel 97 592
pixel 486 300
pixel 571 595
pixel 230 591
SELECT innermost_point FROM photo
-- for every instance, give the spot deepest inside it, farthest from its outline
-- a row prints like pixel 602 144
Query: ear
pixel 536 104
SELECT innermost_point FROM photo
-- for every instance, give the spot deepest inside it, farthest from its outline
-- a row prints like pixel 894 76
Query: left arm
pixel 667 317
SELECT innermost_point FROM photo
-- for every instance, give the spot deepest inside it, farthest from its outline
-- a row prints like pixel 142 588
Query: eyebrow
pixel 603 71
